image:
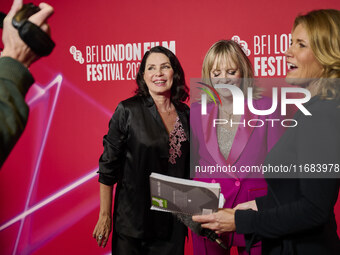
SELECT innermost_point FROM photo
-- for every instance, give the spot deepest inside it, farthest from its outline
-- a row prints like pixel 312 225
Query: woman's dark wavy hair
pixel 179 89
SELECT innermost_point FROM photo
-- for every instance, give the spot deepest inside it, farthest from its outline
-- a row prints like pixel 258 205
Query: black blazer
pixel 297 215
pixel 137 144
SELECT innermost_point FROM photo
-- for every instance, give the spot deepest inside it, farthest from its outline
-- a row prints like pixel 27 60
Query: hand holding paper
pixel 247 205
pixel 220 222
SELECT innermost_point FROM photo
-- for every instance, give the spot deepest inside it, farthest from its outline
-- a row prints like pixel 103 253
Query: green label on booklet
pixel 159 202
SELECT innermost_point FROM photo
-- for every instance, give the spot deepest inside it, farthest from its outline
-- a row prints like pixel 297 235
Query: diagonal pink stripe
pixel 57 81
pixel 50 199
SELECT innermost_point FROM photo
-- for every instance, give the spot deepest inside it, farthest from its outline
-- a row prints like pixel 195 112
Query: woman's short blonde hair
pixel 323 29
pixel 230 50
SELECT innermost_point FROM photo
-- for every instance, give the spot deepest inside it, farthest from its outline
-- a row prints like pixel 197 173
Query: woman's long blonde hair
pixel 230 50
pixel 323 29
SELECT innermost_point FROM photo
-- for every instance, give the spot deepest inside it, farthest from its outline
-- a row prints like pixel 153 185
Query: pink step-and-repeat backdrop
pixel 49 194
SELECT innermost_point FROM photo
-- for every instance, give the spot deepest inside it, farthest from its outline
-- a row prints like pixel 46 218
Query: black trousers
pixel 126 245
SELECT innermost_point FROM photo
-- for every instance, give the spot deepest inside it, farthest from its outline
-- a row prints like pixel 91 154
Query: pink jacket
pixel 250 147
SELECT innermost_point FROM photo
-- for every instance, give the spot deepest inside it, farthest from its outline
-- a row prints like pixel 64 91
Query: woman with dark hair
pixel 297 215
pixel 179 89
pixel 148 132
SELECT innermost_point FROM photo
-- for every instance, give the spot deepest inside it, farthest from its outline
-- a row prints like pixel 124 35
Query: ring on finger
pixel 100 237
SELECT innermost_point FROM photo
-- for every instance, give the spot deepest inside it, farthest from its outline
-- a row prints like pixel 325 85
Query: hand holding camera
pixel 26 32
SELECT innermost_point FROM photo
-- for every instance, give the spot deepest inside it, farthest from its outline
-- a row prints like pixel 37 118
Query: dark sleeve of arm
pixel 317 142
pixel 274 132
pixel 111 162
pixel 15 80
pixel 274 129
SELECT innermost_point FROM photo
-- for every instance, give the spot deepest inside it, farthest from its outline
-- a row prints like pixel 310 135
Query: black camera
pixel 39 41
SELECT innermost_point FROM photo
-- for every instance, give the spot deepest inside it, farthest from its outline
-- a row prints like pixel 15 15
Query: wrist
pixel 25 59
pixel 10 53
pixel 105 214
pixel 234 223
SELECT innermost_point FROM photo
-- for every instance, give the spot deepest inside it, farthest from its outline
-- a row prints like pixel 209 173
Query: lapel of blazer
pixel 151 106
pixel 241 138
pixel 210 136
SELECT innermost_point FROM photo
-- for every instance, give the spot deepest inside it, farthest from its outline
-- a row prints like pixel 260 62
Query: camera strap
pixel 39 41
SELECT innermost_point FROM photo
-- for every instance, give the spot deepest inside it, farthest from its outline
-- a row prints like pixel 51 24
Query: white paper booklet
pixel 171 194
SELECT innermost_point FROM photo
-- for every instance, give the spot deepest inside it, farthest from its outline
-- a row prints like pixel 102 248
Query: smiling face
pixel 158 74
pixel 225 71
pixel 302 64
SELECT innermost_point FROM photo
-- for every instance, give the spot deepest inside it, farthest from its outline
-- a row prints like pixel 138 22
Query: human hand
pixel 14 47
pixel 247 205
pixel 102 230
pixel 220 222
